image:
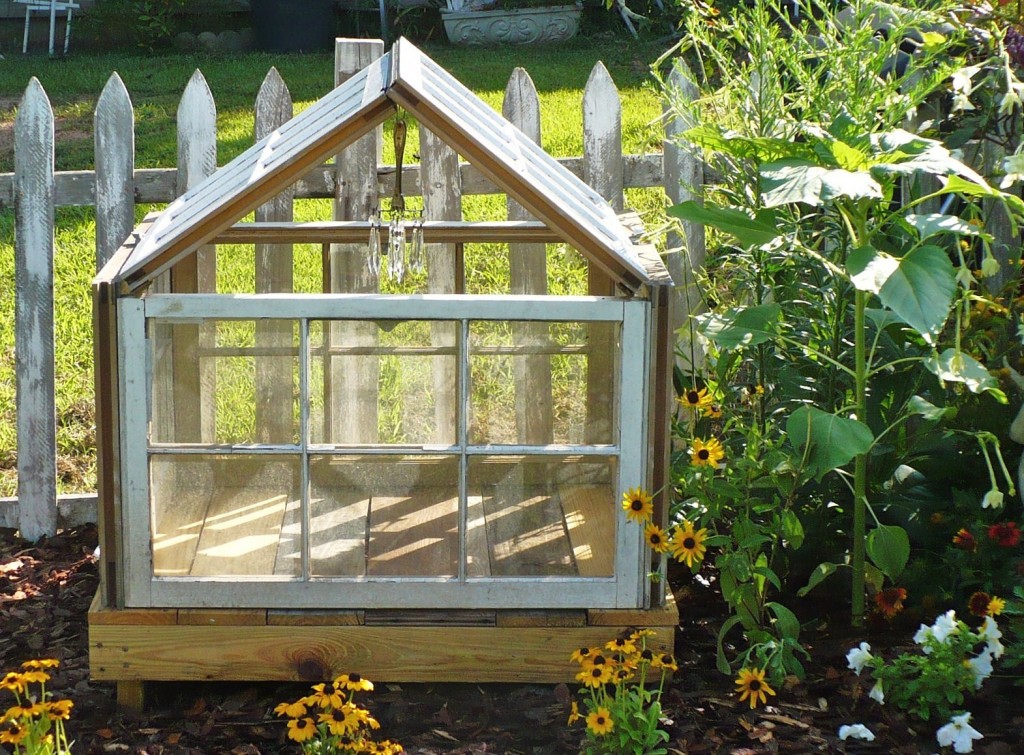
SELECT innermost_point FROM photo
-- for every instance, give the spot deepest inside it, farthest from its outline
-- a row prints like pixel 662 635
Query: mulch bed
pixel 46 588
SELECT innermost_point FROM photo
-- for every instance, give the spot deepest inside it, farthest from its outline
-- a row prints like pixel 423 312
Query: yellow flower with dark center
pixel 327 697
pixel 600 722
pixel 574 713
pixel 751 685
pixel 666 661
pixel 890 601
pixel 706 453
pixel 596 660
pixel 581 655
pixel 292 710
pixel 35 677
pixel 363 717
pixel 640 633
pixel 58 709
pixel 621 645
pixel 24 711
pixel 638 504
pixel 656 538
pixel 12 732
pixel 353 682
pixel 714 411
pixel 337 721
pixel 697 400
pixel 13 681
pixel 595 676
pixel 301 729
pixel 996 606
pixel 688 545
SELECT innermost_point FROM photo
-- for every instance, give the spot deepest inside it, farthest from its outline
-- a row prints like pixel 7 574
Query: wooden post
pixel 33 314
pixel 442 200
pixel 602 170
pixel 350 383
pixel 195 378
pixel 275 415
pixel 114 125
pixel 684 180
pixel 529 275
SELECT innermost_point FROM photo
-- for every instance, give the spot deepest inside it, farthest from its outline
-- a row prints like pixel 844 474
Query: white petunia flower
pixel 877 694
pixel 959 733
pixel 1013 166
pixel 989 632
pixel 922 636
pixel 944 626
pixel 858 657
pixel 857 731
pixel 981 666
pixel 993 498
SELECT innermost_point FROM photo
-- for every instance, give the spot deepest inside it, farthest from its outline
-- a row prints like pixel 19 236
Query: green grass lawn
pixel 155 84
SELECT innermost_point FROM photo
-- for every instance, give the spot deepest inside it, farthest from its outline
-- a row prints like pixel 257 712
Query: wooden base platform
pixel 132 646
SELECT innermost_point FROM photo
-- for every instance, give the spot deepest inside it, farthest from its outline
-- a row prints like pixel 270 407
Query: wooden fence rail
pixel 34 190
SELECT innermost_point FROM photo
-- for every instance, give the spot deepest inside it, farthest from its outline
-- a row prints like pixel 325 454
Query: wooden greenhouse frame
pixel 164 612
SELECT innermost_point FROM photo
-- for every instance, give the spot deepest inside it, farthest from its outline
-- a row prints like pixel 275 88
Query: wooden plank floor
pixel 566 531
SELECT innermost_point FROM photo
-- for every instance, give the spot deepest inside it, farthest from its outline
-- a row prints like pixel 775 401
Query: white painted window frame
pixel 625 589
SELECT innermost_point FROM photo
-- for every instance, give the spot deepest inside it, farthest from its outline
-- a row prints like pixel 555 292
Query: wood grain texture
pixel 590 520
pixel 33 314
pixel 114 140
pixel 384 654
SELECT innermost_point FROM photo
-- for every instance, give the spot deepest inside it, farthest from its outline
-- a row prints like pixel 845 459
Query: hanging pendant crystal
pixel 416 248
pixel 373 260
pixel 396 251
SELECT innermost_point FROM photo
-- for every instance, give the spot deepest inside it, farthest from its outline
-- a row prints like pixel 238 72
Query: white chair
pixel 53 7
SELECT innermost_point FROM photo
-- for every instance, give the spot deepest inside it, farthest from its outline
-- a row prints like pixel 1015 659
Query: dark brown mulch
pixel 46 588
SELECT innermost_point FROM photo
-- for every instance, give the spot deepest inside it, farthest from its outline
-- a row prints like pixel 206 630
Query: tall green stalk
pixel 860 462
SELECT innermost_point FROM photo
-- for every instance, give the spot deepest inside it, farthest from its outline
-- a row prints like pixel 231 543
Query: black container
pixel 293 25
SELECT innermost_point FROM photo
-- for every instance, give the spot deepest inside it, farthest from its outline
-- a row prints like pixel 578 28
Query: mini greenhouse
pixel 294 480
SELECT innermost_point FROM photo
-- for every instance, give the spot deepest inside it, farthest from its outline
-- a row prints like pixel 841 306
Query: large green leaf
pixel 888 547
pixel 919 287
pixel 957 367
pixel 932 224
pixel 747 230
pixel 741 327
pixel 795 180
pixel 827 440
pixel 821 572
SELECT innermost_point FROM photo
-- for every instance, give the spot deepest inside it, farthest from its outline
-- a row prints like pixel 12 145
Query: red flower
pixel 964 540
pixel 1005 534
pixel 977 604
pixel 890 601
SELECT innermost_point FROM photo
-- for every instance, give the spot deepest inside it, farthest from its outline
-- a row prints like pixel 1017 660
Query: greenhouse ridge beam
pixel 349 231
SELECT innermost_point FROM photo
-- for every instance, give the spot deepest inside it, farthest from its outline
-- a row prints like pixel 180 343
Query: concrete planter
pixel 523 26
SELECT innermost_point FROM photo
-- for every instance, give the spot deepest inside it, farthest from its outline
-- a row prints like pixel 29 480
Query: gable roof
pixel 403 77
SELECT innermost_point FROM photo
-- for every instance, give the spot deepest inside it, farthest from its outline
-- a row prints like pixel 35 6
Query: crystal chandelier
pixel 403 244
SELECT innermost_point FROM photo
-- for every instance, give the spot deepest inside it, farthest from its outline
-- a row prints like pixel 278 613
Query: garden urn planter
pixel 522 26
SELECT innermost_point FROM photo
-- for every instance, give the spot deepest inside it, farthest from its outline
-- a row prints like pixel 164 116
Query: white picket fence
pixel 115 186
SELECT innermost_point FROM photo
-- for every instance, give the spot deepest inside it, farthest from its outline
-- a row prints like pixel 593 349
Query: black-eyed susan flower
pixel 595 676
pixel 697 400
pixel 706 453
pixel 14 682
pixel 327 696
pixel 337 721
pixel 637 634
pixel 751 685
pixel 600 722
pixel 58 709
pixel 35 676
pixel 583 654
pixel 301 729
pixel 574 713
pixel 688 545
pixel 656 538
pixel 353 682
pixel 890 601
pixel 621 645
pixel 638 504
pixel 24 710
pixel 292 710
pixel 38 664
pixel 13 732
pixel 665 661
pixel 714 411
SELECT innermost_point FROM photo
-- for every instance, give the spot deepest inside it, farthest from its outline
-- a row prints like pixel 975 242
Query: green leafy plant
pixel 34 724
pixel 622 705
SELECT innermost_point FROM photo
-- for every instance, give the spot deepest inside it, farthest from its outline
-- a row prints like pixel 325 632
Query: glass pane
pixel 383 382
pixel 225 382
pixel 384 515
pixel 537 383
pixel 489 270
pixel 544 516
pixel 216 515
